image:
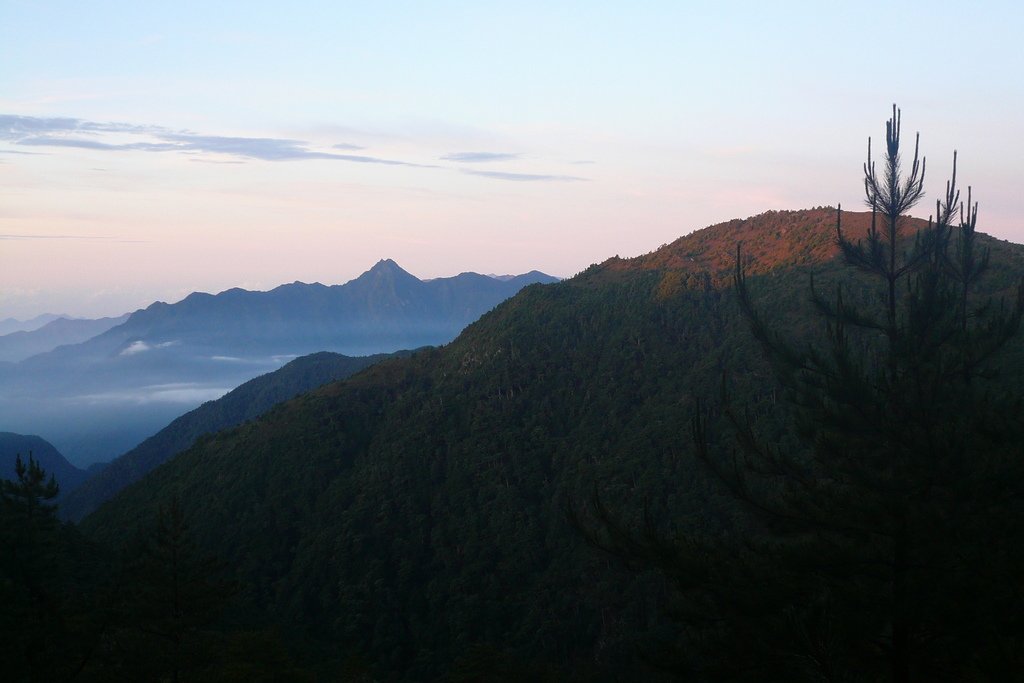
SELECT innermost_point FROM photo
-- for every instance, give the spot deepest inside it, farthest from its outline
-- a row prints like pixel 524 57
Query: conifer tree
pixel 903 498
pixel 888 543
pixel 33 636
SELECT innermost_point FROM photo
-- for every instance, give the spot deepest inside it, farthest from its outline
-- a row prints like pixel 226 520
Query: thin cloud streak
pixel 49 141
pixel 62 132
pixel 476 157
pixel 93 238
pixel 233 162
pixel 525 177
pixel 57 132
pixel 55 237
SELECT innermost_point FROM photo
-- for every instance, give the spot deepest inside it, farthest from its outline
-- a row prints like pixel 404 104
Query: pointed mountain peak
pixel 385 275
pixel 386 269
pixel 389 266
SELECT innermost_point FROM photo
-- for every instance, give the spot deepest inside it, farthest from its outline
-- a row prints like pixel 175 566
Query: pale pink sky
pixel 149 152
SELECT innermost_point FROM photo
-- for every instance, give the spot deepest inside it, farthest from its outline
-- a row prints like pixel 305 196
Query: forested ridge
pixel 245 402
pixel 414 521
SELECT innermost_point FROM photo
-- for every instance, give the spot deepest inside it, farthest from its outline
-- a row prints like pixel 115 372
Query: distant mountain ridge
pixel 384 306
pixel 9 325
pixel 102 396
pixel 18 346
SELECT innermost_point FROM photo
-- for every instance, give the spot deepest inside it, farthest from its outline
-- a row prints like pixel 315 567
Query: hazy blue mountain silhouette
pixel 384 309
pixel 18 346
pixel 8 325
pixel 99 398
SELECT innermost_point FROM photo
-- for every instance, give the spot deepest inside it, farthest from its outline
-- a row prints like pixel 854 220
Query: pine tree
pixel 888 542
pixel 904 496
pixel 31 627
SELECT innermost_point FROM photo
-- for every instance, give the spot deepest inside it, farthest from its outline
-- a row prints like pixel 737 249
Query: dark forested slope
pixel 414 515
pixel 245 402
pixel 67 476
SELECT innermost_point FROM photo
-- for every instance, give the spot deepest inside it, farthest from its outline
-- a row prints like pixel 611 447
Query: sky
pixel 148 150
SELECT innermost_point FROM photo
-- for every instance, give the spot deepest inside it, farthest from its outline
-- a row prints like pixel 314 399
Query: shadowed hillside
pixel 67 476
pixel 414 516
pixel 246 402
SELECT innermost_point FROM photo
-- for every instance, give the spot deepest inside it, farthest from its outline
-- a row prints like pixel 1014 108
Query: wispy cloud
pixel 475 157
pixel 84 143
pixel 217 161
pixel 180 392
pixel 76 133
pixel 524 177
pixel 139 346
pixel 64 132
pixel 9 236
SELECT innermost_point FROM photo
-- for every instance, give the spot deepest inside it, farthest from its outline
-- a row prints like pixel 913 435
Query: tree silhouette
pixel 904 487
pixel 31 621
pixel 886 541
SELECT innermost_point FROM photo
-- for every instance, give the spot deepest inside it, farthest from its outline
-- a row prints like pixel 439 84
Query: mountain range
pixel 415 515
pixel 102 396
pixel 19 345
pixel 9 325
